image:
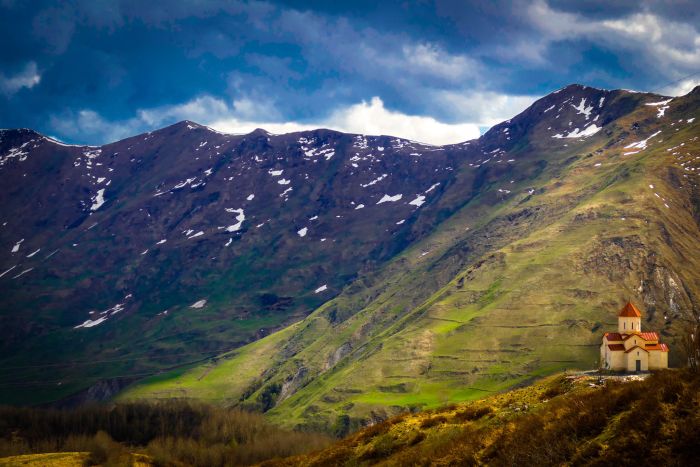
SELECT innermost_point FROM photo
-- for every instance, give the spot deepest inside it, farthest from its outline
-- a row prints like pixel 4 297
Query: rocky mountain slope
pixel 586 199
pixel 455 270
pixel 184 242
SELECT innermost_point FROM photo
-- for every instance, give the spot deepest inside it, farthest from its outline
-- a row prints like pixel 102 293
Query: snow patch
pixel 90 323
pixel 199 304
pixel 591 130
pixel 639 145
pixel 98 200
pixel 8 270
pixel 15 248
pixel 582 109
pixel 375 181
pixel 432 187
pixel 103 315
pixel 420 199
pixel 323 288
pixel 22 273
pixel 388 198
pixel 302 232
pixel 662 106
pixel 182 184
pixel 240 217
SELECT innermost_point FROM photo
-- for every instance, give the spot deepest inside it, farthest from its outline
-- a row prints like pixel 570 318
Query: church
pixel 630 349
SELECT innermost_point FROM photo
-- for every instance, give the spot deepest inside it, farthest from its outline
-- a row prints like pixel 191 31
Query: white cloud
pixel 366 118
pixel 374 118
pixel 681 88
pixel 240 117
pixel 430 60
pixel 238 126
pixel 484 108
pixel 27 78
pixel 660 40
pixel 199 109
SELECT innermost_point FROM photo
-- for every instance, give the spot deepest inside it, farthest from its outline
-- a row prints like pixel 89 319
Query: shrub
pixel 172 432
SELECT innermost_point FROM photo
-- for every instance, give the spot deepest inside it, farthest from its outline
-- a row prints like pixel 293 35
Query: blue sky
pixel 437 71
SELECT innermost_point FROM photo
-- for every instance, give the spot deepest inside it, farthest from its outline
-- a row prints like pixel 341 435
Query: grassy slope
pixel 53 459
pixel 523 286
pixel 559 420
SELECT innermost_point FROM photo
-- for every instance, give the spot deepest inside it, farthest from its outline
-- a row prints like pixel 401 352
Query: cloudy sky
pixel 437 71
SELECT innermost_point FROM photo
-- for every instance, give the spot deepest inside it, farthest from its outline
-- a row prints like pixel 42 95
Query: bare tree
pixel 690 341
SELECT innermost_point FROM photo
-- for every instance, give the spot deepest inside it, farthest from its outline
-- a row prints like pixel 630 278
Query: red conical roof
pixel 630 311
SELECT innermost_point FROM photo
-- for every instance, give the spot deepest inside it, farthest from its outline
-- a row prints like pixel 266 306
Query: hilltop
pixel 561 420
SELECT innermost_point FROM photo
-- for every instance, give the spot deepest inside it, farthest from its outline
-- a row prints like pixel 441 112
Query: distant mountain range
pixel 366 274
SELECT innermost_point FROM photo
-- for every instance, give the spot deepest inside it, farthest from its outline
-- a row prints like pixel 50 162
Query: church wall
pixel 603 354
pixel 635 355
pixel 616 361
pixel 632 341
pixel 658 360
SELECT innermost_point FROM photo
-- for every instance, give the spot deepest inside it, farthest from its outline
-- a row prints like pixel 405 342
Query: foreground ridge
pixel 563 419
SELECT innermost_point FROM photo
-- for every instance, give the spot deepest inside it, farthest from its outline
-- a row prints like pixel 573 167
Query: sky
pixel 436 71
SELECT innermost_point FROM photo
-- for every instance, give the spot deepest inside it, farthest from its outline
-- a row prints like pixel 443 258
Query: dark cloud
pixel 105 61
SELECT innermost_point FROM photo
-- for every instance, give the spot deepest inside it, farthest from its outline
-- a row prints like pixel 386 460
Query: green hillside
pixel 521 281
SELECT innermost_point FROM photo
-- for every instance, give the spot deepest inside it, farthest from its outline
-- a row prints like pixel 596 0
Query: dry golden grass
pixel 560 420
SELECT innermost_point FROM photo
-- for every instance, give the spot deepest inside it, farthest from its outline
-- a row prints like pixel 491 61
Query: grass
pixel 53 459
pixel 558 420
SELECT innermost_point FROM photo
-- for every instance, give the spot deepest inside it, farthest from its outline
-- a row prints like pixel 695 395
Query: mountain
pixel 182 243
pixel 413 274
pixel 585 200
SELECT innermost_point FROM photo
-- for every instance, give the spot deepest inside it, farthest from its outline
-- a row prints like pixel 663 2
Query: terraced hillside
pixel 586 199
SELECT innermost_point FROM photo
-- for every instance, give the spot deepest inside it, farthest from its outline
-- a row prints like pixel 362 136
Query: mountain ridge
pixel 165 281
